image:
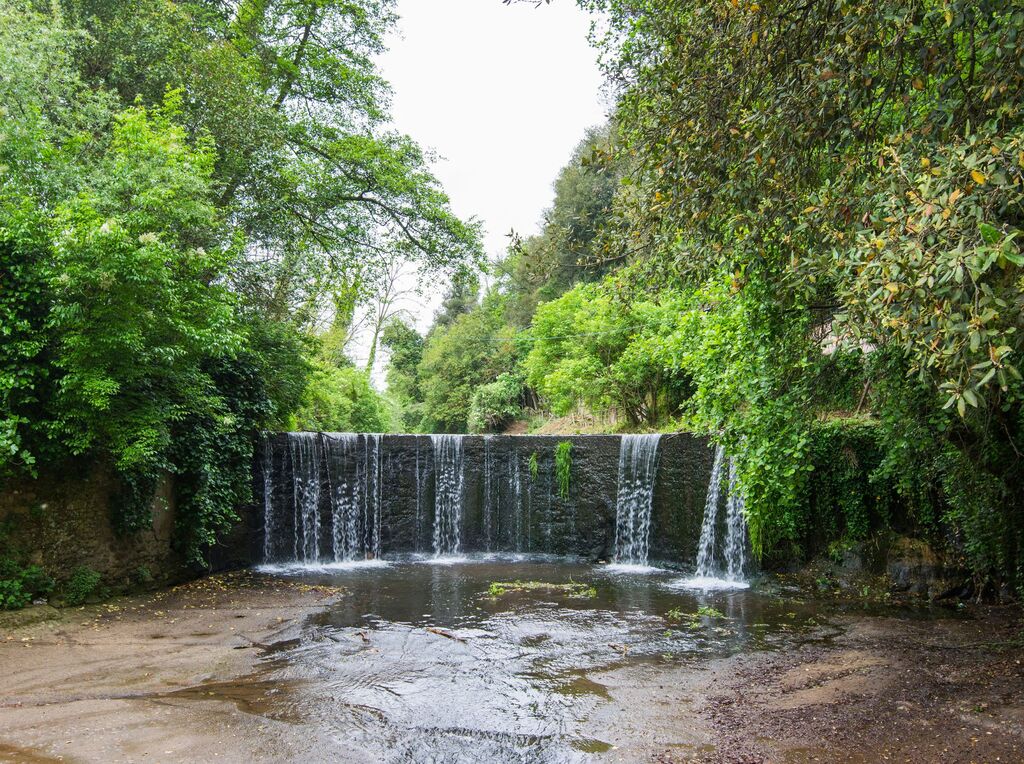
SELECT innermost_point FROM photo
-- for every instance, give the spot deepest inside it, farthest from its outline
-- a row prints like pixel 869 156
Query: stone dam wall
pixel 325 497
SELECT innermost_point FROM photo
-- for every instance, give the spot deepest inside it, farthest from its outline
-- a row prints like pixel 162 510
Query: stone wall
pixel 506 507
pixel 63 521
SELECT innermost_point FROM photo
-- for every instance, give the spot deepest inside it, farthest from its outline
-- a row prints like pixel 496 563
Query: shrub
pixel 19 586
pixel 496 404
pixel 82 584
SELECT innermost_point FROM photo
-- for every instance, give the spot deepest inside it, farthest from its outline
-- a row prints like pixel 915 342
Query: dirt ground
pixel 886 690
pixel 183 675
pixel 153 678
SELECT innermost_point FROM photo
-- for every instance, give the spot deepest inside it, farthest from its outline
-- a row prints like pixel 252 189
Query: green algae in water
pixel 591 745
pixel 573 589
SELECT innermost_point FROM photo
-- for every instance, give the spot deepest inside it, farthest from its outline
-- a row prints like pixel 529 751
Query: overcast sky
pixel 502 94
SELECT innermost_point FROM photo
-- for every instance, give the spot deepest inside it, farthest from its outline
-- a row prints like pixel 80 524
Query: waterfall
pixel 638 466
pixel 736 530
pixel 419 497
pixel 708 530
pixel 337 499
pixel 372 496
pixel 337 488
pixel 710 573
pixel 488 505
pixel 346 497
pixel 448 483
pixel 306 455
pixel 515 491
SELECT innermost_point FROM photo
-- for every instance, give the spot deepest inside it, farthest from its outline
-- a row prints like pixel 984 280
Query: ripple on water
pixel 423 663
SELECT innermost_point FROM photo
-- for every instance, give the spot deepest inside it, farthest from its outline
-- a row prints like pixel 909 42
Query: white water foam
pixel 296 568
pixel 625 568
pixel 707 584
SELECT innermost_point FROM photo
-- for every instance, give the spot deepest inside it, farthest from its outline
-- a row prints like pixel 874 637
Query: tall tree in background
pixel 289 94
pixel 191 191
pixel 857 158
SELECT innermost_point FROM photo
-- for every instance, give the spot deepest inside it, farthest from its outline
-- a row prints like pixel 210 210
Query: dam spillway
pixel 339 497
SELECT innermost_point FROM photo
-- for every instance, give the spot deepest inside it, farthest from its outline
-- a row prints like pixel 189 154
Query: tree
pixel 474 349
pixel 289 94
pixel 404 346
pixel 190 192
pixel 568 250
pixel 341 400
pixel 860 160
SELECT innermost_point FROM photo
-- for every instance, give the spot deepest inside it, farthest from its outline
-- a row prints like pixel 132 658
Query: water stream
pixel 723 568
pixel 638 464
pixel 420 662
pixel 450 479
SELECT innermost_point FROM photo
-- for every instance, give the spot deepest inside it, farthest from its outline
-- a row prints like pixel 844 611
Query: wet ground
pixel 512 660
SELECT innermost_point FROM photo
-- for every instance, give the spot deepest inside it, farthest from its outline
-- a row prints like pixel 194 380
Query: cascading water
pixel 269 529
pixel 306 457
pixel 488 501
pixel 449 480
pixel 372 500
pixel 638 466
pixel 736 530
pixel 515 485
pixel 710 573
pixel 708 530
pixel 346 497
pixel 335 514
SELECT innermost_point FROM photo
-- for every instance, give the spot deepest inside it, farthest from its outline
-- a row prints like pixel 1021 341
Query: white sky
pixel 502 94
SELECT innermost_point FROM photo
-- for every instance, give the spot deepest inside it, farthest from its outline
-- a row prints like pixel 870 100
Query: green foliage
pixel 405 351
pixel 83 583
pixel 850 177
pixel 473 350
pixel 568 250
pixel 289 93
pixel 572 589
pixel 341 400
pixel 591 348
pixel 187 191
pixel 496 403
pixel 965 492
pixel 131 363
pixel 534 467
pixel 706 611
pixel 563 467
pixel 20 585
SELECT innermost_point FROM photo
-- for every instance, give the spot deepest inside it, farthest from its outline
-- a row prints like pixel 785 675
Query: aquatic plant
pixel 572 588
pixel 563 467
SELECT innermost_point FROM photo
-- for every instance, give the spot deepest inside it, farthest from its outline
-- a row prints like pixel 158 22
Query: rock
pixel 915 567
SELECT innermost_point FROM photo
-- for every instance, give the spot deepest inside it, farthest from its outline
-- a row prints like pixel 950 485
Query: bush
pixel 83 583
pixel 342 400
pixel 19 586
pixel 496 404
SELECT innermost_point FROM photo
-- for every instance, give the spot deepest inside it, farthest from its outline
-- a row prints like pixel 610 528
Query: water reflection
pixel 421 663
